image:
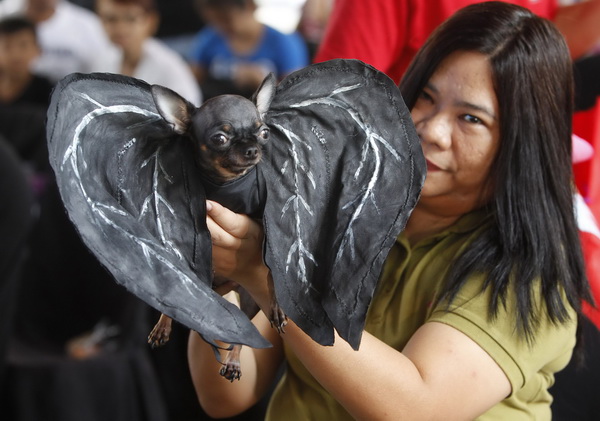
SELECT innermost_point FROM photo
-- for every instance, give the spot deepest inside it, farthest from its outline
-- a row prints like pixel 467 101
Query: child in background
pixel 130 25
pixel 69 35
pixel 19 49
pixel 234 51
pixel 24 95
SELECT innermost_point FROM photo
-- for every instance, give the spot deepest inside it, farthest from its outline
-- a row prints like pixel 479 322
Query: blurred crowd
pixel 73 342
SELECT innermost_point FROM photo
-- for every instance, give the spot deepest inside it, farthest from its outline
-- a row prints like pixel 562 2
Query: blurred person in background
pixel 69 35
pixel 24 95
pixel 130 26
pixel 234 51
pixel 19 48
pixel 313 22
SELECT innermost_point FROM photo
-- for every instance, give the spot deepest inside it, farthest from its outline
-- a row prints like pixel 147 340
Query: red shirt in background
pixel 387 33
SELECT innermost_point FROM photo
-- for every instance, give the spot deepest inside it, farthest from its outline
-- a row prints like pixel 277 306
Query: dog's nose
pixel 252 152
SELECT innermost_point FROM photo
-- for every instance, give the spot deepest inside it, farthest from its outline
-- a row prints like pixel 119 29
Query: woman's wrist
pixel 255 283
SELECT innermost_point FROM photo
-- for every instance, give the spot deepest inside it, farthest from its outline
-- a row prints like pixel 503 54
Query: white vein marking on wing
pixel 295 200
pixel 98 207
pixel 369 146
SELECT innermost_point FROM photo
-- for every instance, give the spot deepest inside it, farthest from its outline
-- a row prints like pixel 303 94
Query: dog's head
pixel 228 131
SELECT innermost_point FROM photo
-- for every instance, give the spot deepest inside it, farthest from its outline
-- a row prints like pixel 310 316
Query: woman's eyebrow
pixel 431 87
pixel 465 104
pixel 483 109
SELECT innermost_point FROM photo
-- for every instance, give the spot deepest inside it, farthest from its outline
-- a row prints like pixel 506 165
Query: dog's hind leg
pixel 232 369
pixel 161 332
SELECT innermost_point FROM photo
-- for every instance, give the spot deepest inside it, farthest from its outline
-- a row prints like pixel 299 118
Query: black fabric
pixel 244 195
pixel 341 173
pixel 134 194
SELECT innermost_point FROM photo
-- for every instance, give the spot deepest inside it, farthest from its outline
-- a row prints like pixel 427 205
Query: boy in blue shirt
pixel 234 51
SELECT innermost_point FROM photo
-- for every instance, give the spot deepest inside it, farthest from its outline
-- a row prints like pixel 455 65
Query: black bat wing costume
pixel 340 175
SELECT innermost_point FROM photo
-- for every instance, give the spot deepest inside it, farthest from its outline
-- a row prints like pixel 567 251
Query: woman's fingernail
pixel 209 206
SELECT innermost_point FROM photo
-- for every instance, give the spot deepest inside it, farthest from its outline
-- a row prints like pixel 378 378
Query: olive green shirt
pixel 404 300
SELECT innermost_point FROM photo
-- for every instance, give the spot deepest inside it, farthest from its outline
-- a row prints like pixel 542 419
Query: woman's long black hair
pixel 535 235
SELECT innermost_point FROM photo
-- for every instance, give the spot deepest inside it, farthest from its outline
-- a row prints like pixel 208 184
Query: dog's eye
pixel 219 139
pixel 264 134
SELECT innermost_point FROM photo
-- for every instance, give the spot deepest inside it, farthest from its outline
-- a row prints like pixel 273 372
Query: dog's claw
pixel 232 369
pixel 161 332
pixel 156 339
pixel 231 372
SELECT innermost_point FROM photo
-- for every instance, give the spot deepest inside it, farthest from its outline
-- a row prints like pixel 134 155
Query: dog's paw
pixel 159 335
pixel 231 370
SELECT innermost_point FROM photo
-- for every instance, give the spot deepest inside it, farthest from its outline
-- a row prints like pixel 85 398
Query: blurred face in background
pixel 127 24
pixel 18 50
pixel 40 10
pixel 231 21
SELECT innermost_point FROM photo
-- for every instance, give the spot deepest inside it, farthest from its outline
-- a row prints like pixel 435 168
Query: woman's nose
pixel 435 129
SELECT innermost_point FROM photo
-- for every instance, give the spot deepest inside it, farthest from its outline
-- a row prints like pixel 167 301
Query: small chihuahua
pixel 228 133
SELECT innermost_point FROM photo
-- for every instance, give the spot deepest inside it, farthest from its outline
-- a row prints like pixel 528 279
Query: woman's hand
pixel 237 247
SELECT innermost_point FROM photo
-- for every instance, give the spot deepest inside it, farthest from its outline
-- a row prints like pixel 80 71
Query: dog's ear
pixel 176 110
pixel 264 94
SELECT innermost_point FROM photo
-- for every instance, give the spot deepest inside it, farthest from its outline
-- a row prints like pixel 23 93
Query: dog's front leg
pixel 277 318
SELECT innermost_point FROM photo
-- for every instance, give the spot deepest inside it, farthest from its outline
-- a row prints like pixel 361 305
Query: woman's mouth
pixel 431 166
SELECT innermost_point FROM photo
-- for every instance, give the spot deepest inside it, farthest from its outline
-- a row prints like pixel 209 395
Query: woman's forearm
pixel 218 396
pixel 441 374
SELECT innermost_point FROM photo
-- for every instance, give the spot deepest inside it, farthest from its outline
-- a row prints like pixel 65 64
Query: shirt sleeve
pixel 521 360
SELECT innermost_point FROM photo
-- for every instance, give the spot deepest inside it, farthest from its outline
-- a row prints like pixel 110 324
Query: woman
pixel 477 305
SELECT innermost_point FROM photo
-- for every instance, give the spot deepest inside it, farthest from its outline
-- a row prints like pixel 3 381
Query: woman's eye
pixel 264 134
pixel 472 119
pixel 425 96
pixel 219 139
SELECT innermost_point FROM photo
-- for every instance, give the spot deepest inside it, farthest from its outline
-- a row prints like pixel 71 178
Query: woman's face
pixel 457 119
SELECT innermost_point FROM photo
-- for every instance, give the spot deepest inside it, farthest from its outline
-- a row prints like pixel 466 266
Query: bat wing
pixel 132 190
pixel 344 170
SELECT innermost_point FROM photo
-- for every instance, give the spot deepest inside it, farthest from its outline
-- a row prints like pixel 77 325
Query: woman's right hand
pixel 237 248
